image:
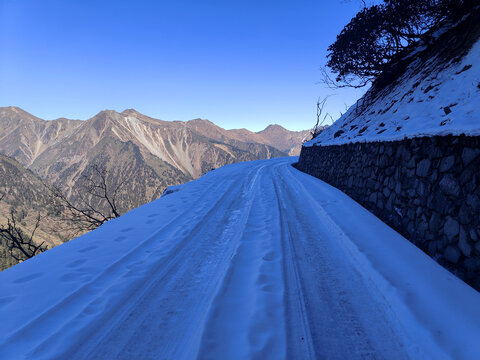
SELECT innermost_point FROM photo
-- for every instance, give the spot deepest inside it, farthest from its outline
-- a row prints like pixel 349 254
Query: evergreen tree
pixel 376 36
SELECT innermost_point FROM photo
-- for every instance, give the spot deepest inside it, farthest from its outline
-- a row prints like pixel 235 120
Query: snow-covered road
pixel 253 260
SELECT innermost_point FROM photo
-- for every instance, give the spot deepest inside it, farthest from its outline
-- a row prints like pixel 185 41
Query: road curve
pixel 254 260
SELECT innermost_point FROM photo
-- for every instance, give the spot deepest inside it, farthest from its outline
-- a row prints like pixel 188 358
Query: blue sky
pixel 237 63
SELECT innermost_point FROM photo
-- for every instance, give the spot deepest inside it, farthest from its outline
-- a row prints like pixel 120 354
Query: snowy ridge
pixel 431 98
pixel 253 260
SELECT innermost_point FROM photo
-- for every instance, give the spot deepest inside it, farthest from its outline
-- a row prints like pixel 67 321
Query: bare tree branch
pixel 318 125
pixel 84 214
pixel 356 82
pixel 20 245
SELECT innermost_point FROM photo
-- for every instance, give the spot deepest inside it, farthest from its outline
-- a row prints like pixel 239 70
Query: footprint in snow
pixel 69 277
pixel 262 279
pixel 270 256
pixel 79 274
pixel 28 278
pixel 268 288
pixel 76 263
pixel 127 229
pixel 89 248
pixel 6 300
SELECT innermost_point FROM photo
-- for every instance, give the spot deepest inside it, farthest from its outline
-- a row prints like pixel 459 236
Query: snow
pixel 428 100
pixel 252 260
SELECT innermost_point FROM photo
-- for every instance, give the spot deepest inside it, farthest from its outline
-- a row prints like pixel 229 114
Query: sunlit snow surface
pixel 428 100
pixel 253 260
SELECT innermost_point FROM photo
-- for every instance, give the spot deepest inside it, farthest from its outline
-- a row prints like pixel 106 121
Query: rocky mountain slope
pixel 24 136
pixel 285 140
pixel 143 153
pixel 25 192
pixel 275 136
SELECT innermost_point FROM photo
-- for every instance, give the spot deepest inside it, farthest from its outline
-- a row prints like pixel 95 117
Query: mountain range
pixel 143 154
pixel 57 147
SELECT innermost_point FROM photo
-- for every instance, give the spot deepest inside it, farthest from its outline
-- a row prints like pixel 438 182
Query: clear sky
pixel 238 63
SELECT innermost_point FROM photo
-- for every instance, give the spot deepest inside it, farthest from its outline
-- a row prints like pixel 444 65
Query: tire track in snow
pixel 266 248
pixel 346 319
pixel 390 311
pixel 84 301
pixel 157 334
pixel 246 318
pixel 300 342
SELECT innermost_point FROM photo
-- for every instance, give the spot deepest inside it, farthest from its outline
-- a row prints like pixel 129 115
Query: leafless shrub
pixel 96 204
pixel 21 245
pixel 318 128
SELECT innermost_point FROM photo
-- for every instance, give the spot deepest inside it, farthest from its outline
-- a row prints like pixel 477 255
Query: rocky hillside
pixel 24 136
pixel 275 136
pixel 285 140
pixel 25 192
pixel 143 153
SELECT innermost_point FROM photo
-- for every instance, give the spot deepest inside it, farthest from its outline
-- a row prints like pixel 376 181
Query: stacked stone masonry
pixel 428 189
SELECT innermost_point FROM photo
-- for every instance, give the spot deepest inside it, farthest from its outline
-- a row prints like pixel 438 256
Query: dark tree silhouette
pixel 96 203
pixel 21 245
pixel 378 35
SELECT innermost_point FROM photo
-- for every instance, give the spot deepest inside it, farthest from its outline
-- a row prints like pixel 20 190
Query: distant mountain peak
pixel 275 129
pixel 15 109
pixel 19 113
pixel 200 120
pixel 274 126
pixel 176 142
pixel 131 112
pixel 107 112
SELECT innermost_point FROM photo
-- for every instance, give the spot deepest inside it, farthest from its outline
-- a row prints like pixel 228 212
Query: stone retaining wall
pixel 428 189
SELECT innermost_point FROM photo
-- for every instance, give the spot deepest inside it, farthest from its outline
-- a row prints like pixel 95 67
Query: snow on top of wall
pixel 425 102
